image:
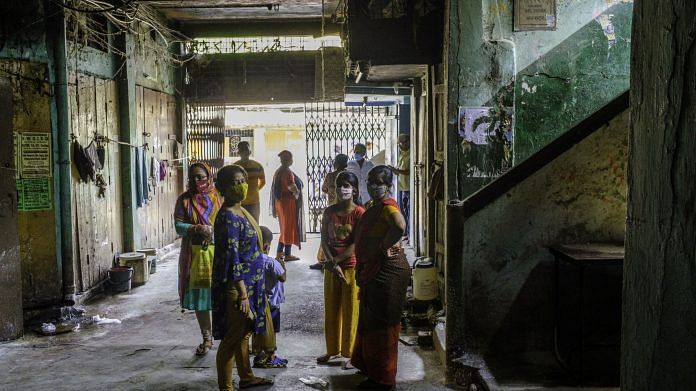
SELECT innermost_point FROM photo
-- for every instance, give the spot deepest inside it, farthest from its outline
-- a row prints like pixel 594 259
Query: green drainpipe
pixel 60 118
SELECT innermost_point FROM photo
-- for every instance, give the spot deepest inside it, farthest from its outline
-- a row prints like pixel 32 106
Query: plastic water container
pixel 151 254
pixel 425 286
pixel 138 261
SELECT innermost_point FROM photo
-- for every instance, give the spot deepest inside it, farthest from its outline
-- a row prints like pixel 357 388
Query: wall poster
pixel 34 155
pixel 34 194
pixel 486 140
pixel 534 15
pixel 34 172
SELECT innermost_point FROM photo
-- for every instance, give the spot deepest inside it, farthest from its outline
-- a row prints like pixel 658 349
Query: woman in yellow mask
pixel 239 302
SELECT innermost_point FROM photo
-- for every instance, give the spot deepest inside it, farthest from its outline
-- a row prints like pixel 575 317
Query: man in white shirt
pixel 403 170
pixel 360 167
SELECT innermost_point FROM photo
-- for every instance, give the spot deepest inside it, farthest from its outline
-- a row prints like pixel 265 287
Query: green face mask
pixel 236 193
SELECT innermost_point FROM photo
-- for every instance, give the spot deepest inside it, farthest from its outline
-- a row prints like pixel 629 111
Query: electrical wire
pixel 93 11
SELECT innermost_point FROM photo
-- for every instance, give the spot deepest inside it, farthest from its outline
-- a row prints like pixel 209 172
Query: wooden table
pixel 582 256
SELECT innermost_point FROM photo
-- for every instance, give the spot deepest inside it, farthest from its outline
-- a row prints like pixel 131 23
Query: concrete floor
pixel 152 349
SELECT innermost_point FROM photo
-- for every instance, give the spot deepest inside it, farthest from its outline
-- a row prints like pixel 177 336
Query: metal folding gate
pixel 333 128
pixel 205 126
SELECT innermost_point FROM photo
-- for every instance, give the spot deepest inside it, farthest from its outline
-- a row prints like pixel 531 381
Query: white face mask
pixel 377 192
pixel 345 193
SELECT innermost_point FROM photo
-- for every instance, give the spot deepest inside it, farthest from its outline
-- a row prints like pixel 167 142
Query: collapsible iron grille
pixel 333 128
pixel 205 126
pixel 236 136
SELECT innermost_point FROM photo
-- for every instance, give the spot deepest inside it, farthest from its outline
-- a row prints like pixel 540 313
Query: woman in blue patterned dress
pixel 239 303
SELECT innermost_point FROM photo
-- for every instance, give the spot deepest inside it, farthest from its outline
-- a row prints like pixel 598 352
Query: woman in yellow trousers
pixel 340 288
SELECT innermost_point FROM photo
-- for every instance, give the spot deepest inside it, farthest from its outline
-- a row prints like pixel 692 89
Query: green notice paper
pixel 34 194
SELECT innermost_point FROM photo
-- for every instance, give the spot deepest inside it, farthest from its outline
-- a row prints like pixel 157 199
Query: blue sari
pixel 237 257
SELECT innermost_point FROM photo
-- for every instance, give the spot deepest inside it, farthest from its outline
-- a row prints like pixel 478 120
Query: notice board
pixel 534 15
pixel 34 172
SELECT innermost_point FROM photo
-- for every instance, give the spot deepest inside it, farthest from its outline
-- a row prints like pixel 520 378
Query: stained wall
pixel 507 268
pixel 546 80
pixel 41 283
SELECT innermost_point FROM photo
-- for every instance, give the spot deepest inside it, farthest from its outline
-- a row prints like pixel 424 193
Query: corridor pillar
pixel 659 292
pixel 128 134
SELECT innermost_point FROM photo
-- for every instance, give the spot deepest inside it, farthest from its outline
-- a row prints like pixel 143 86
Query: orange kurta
pixel 286 209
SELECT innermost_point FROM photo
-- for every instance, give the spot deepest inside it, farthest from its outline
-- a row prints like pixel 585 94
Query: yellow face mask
pixel 236 193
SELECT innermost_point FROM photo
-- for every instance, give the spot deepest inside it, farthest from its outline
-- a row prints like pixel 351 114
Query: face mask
pixel 236 193
pixel 346 193
pixel 202 185
pixel 377 192
pixel 358 156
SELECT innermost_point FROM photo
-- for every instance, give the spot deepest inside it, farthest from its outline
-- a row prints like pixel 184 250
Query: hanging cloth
pixel 83 162
pixel 141 187
pixel 163 170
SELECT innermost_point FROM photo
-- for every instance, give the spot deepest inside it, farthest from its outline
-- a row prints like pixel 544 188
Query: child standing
pixel 264 346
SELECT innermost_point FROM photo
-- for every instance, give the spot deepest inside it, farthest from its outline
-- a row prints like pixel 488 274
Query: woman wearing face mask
pixel 194 215
pixel 340 289
pixel 382 274
pixel 239 302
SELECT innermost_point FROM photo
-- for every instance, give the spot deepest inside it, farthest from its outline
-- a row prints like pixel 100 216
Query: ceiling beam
pixel 256 29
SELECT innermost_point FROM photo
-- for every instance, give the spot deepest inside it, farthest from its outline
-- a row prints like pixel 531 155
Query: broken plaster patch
pixel 605 20
pixel 527 88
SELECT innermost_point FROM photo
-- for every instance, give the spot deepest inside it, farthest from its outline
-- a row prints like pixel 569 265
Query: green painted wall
pixel 570 82
pixel 550 79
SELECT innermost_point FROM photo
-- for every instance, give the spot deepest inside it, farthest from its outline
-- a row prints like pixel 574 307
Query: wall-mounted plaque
pixel 535 15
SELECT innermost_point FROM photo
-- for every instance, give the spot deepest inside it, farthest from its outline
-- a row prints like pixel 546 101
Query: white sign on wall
pixel 534 15
pixel 34 155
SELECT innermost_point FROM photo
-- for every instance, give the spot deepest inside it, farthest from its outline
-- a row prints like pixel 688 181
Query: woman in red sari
pixel 286 204
pixel 383 276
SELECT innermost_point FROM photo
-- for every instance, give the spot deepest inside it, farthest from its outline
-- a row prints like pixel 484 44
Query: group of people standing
pixel 366 273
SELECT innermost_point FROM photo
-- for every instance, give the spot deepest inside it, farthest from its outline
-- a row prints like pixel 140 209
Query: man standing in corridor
pixel 360 167
pixel 256 180
pixel 403 170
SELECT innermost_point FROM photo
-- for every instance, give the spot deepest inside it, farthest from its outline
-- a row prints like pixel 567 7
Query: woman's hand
pixel 393 252
pixel 244 305
pixel 339 272
pixel 205 232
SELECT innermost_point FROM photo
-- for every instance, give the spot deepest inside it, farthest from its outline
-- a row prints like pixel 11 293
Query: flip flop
pixel 256 382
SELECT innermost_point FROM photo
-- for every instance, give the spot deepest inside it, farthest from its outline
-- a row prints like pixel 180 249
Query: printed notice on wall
pixel 34 155
pixel 34 194
pixel 535 15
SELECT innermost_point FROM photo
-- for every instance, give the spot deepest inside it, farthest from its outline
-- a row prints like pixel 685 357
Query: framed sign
pixel 534 15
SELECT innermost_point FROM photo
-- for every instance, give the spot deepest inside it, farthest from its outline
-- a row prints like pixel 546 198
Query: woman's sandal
pixel 275 362
pixel 256 382
pixel 290 258
pixel 204 348
pixel 324 359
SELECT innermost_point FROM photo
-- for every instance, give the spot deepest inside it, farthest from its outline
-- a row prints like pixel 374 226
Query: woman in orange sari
pixel 383 276
pixel 286 205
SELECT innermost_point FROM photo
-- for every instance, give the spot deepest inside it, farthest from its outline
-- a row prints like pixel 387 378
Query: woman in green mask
pixel 239 302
